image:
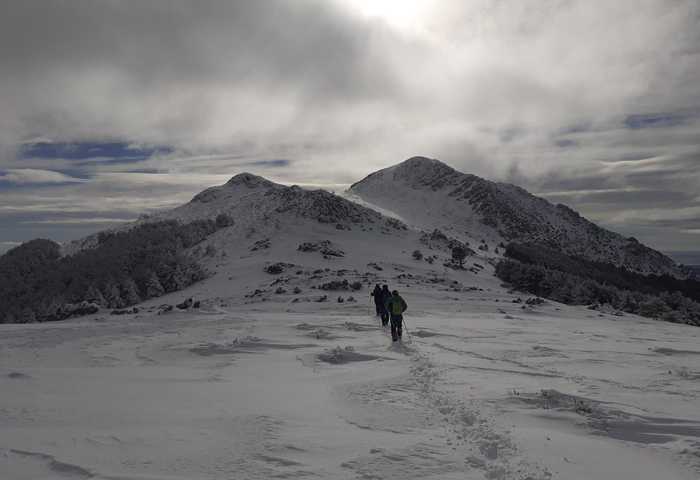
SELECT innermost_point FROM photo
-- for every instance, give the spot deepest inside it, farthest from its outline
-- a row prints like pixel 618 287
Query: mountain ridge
pixel 235 231
pixel 251 197
pixel 429 194
pixel 475 207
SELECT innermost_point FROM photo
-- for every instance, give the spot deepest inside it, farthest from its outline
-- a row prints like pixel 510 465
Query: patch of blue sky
pixel 659 120
pixel 274 163
pixel 115 152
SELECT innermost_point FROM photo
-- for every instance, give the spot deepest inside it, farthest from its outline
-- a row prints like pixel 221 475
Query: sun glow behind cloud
pixel 406 16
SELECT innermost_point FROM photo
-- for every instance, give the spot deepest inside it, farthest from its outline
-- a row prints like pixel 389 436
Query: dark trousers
pixel 396 326
pixel 379 307
pixel 385 318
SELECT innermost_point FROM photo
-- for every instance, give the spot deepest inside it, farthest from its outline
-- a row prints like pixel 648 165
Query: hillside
pixel 233 226
pixel 428 194
pixel 257 206
pixel 253 201
pixel 234 337
pixel 250 222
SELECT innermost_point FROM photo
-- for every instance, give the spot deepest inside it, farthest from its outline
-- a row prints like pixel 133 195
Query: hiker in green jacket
pixel 396 305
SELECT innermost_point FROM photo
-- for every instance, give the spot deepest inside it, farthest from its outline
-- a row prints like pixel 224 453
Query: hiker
pixel 378 299
pixel 396 305
pixel 385 295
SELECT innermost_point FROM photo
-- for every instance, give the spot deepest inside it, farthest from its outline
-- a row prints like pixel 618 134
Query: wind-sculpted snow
pixel 613 422
pixel 429 194
pixel 339 356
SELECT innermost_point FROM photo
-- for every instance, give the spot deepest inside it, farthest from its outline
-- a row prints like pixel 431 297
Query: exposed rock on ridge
pixel 502 211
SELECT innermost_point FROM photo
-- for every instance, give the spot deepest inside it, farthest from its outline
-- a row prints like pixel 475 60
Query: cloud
pixel 7 245
pixel 557 95
pixel 78 221
pixel 215 73
pixel 24 176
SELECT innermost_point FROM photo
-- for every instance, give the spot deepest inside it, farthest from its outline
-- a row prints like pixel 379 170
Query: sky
pixel 112 109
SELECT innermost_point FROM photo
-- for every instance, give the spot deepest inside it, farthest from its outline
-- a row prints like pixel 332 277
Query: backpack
pixel 396 305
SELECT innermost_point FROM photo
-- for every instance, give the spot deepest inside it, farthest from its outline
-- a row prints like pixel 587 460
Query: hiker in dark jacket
pixel 378 299
pixel 385 313
pixel 396 305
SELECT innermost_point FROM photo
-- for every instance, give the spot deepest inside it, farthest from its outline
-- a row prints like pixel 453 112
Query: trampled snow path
pixel 485 389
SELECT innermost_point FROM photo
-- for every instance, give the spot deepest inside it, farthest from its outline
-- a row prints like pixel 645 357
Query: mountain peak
pixel 421 167
pixel 422 162
pixel 245 179
pixel 416 171
pixel 249 180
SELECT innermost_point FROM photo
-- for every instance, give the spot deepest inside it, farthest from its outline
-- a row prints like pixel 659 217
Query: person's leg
pixel 399 325
pixel 394 333
pixel 385 318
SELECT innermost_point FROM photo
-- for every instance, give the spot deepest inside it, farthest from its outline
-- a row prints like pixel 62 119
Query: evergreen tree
pixel 153 286
pixel 459 253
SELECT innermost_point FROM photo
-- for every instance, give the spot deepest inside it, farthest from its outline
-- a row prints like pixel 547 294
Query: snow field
pixel 226 393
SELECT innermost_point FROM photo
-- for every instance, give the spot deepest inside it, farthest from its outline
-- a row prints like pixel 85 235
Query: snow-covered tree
pixel 459 253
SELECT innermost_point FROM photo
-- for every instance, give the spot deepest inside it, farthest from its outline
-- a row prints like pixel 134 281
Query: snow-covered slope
pixel 258 206
pixel 251 199
pixel 265 380
pixel 283 371
pixel 428 194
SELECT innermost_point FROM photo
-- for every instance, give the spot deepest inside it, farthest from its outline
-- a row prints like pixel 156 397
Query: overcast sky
pixel 109 109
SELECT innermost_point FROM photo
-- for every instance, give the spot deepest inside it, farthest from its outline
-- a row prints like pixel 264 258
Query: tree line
pixel 551 274
pixel 124 268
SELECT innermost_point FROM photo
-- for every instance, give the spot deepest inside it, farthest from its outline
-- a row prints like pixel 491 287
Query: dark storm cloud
pixel 154 70
pixel 161 44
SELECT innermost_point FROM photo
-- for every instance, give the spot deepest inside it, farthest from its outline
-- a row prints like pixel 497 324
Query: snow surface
pixel 262 382
pixel 429 194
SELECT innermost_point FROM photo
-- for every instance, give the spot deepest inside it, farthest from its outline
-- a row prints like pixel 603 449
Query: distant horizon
pixel 685 257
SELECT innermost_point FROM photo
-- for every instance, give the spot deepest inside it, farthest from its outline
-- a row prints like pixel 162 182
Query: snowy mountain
pixel 220 232
pixel 428 194
pixel 424 204
pixel 256 206
pixel 273 364
pixel 256 202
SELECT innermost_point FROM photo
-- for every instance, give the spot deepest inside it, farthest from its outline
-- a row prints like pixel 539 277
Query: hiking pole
pixel 405 327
